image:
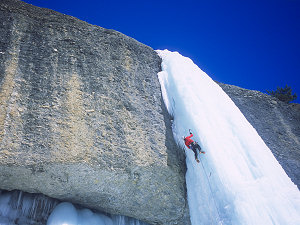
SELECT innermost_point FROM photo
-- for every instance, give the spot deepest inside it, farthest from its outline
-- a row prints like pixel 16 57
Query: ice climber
pixel 191 144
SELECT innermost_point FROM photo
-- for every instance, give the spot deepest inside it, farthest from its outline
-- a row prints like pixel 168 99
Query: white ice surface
pixel 66 214
pixel 238 180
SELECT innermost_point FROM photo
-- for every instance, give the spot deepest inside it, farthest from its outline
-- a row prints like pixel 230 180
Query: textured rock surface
pixel 276 122
pixel 82 119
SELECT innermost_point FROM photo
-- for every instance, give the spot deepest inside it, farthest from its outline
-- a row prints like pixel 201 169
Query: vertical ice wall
pixel 238 180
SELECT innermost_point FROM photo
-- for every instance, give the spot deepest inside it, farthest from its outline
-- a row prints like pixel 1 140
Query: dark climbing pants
pixel 194 146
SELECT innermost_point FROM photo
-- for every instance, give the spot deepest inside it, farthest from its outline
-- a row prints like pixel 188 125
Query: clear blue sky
pixel 254 44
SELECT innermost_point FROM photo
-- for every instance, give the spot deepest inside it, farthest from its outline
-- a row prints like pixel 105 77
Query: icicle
pixel 17 207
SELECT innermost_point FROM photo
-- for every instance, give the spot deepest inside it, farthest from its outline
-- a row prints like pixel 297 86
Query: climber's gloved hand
pixel 190 131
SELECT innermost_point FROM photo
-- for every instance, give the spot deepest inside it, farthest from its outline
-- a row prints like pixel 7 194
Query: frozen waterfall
pixel 238 180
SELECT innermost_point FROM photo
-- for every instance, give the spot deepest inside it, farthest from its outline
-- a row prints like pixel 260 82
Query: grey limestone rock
pixel 82 118
pixel 276 122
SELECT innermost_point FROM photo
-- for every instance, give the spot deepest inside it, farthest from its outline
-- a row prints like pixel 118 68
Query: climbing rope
pixel 211 190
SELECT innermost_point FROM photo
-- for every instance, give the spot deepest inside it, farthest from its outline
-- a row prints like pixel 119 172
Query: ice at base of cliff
pixel 66 214
pixel 238 180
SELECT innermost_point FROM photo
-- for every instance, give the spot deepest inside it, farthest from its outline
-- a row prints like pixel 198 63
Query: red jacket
pixel 188 140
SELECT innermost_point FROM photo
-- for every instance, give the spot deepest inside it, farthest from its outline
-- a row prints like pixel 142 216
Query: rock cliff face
pixel 82 118
pixel 276 122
